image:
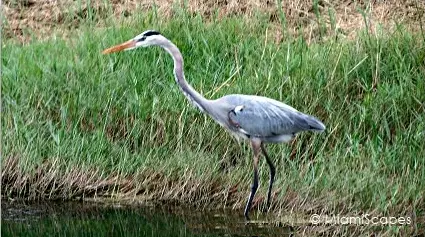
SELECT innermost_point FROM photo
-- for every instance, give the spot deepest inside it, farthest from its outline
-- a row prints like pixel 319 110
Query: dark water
pixel 94 219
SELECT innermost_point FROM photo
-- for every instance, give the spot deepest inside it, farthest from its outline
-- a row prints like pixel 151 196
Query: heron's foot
pixel 246 217
pixel 247 220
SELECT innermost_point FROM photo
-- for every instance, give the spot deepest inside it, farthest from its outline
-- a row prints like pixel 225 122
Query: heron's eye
pixel 141 39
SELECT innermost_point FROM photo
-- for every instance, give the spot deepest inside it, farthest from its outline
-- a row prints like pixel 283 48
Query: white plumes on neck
pixel 180 79
pixel 191 100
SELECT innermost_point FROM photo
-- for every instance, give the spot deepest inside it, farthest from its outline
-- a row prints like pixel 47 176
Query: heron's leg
pixel 256 148
pixel 272 173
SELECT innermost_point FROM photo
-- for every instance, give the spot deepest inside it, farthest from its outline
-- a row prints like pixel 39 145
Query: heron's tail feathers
pixel 315 124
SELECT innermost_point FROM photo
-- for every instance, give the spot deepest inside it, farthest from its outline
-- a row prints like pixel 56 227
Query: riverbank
pixel 77 124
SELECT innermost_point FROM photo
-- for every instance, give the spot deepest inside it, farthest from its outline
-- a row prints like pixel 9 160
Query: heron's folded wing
pixel 264 119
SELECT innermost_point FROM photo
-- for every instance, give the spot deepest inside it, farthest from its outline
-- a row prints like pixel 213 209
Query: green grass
pixel 67 107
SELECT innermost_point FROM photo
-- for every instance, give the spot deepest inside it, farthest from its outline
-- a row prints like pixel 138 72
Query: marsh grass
pixel 76 123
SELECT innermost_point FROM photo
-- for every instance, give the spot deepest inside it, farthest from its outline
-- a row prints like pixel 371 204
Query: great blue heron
pixel 257 119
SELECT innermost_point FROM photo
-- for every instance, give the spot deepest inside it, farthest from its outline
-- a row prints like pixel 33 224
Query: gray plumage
pixel 255 118
pixel 267 119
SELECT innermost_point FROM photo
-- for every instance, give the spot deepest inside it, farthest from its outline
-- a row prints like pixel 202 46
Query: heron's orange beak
pixel 120 47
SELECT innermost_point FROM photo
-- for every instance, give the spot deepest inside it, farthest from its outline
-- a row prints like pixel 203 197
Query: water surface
pixel 112 219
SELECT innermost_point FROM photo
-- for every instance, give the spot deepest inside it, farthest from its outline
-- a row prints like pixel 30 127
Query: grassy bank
pixel 76 123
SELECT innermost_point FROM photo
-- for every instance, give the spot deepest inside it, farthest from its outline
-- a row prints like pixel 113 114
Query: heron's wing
pixel 263 117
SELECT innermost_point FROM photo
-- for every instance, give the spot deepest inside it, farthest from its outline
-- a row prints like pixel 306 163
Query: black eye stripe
pixel 151 32
pixel 148 33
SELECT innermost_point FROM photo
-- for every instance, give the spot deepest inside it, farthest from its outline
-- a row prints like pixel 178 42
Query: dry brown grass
pixel 41 17
pixel 50 181
pixel 152 186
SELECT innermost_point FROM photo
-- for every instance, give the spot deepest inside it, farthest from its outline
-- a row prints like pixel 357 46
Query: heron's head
pixel 147 38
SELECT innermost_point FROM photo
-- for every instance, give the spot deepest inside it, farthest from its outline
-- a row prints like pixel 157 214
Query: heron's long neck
pixel 194 97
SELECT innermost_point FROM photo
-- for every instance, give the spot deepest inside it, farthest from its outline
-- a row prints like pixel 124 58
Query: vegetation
pixel 77 124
